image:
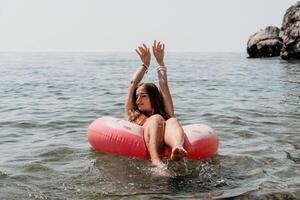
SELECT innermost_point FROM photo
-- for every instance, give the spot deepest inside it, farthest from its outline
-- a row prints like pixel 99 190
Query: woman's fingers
pixel 138 52
pixel 161 46
pixel 145 47
pixel 142 50
pixel 147 50
pixel 158 46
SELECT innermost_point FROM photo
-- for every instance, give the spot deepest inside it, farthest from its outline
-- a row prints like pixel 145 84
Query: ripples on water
pixel 49 99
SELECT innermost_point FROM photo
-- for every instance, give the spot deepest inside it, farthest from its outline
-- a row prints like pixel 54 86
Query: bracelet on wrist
pixel 161 68
pixel 145 66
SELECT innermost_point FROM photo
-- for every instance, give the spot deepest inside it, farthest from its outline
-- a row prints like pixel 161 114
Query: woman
pixel 152 108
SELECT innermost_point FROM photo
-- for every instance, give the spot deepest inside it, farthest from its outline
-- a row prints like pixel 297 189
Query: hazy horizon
pixel 119 26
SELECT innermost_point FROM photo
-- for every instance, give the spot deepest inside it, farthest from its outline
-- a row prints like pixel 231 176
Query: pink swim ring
pixel 117 136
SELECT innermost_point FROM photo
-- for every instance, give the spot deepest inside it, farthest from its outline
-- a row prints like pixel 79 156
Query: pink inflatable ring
pixel 117 136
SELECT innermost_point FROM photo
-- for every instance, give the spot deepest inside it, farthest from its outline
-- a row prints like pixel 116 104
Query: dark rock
pixel 265 43
pixel 291 33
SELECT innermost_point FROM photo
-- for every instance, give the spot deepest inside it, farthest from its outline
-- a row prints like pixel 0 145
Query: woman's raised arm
pixel 145 56
pixel 158 52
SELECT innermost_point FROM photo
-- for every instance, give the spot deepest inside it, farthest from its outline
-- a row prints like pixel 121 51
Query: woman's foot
pixel 178 153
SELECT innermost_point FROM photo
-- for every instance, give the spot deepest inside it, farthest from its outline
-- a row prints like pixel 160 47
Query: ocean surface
pixel 49 99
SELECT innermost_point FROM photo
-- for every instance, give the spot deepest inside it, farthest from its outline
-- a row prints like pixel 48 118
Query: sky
pixel 121 25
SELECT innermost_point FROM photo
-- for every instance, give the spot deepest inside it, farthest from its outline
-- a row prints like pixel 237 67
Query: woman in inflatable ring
pixel 152 108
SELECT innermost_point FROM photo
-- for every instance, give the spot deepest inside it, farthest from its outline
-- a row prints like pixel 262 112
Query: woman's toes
pixel 178 153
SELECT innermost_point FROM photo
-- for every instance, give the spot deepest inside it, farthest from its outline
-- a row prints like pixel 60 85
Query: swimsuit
pixel 140 120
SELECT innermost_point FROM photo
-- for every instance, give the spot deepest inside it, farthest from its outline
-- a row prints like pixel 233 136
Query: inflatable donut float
pixel 117 136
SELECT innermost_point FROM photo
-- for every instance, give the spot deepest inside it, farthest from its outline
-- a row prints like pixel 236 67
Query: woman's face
pixel 143 100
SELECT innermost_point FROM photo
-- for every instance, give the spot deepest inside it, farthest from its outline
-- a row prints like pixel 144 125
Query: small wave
pixel 3 174
pixel 90 173
pixel 57 154
pixel 246 134
pixel 57 151
pixel 63 98
pixel 26 124
pixel 36 167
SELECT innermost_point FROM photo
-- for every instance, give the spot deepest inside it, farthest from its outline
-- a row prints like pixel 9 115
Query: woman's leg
pixel 154 130
pixel 174 137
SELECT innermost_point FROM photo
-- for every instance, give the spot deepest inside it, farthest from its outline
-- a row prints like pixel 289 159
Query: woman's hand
pixel 158 52
pixel 144 53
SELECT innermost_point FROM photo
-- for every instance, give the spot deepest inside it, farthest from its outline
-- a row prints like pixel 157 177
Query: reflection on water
pixel 49 99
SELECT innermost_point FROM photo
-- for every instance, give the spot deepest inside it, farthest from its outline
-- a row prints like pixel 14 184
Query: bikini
pixel 140 120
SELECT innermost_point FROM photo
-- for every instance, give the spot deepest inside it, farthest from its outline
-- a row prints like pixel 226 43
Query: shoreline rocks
pixel 265 43
pixel 272 41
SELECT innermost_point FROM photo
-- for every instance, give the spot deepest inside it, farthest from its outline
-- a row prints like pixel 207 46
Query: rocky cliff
pixel 272 41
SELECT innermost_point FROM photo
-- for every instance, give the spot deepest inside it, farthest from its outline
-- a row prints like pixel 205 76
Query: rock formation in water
pixel 291 33
pixel 274 42
pixel 265 43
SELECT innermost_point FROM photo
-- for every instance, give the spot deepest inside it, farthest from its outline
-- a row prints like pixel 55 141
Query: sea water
pixel 49 99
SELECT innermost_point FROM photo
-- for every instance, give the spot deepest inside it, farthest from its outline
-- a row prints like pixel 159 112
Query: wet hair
pixel 156 100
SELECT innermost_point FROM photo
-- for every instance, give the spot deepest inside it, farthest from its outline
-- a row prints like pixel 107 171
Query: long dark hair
pixel 156 100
